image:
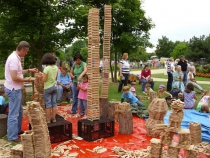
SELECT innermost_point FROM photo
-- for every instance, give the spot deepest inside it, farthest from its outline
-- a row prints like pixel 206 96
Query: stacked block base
pixel 93 130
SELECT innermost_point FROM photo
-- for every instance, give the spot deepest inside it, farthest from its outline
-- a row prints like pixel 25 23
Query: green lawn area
pixel 139 69
pixel 161 75
pixel 115 96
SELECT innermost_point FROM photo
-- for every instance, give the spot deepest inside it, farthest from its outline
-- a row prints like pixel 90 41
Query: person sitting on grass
pixel 133 89
pixel 191 79
pixel 203 105
pixel 130 98
pixel 189 96
pixel 148 89
pixel 162 92
pixel 3 105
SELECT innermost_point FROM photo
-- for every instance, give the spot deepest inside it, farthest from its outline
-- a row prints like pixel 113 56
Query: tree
pixel 164 47
pixel 180 49
pixel 79 46
pixel 198 48
pixel 35 21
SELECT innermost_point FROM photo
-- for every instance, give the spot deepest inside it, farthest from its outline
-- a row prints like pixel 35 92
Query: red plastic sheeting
pixel 137 140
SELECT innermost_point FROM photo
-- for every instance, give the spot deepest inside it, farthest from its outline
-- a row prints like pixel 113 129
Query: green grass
pixel 139 69
pixel 161 75
pixel 115 96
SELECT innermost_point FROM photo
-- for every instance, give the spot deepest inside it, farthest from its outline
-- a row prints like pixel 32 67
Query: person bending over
pixel 130 98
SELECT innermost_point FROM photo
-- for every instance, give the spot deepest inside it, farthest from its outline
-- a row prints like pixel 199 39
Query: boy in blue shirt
pixel 3 105
pixel 130 98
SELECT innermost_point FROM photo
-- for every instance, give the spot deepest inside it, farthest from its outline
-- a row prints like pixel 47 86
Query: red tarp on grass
pixel 136 141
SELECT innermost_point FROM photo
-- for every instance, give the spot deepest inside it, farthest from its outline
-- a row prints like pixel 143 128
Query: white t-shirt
pixel 101 64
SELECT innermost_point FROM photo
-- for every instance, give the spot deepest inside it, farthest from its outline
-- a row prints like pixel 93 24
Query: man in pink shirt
pixel 13 88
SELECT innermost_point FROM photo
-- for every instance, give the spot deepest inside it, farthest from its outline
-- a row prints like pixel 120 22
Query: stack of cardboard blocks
pixel 93 64
pixel 39 90
pixel 157 110
pixel 16 151
pixel 106 50
pixel 41 138
pixel 28 146
pixel 185 137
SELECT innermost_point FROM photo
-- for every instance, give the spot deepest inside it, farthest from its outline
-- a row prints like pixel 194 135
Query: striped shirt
pixel 169 66
pixel 125 66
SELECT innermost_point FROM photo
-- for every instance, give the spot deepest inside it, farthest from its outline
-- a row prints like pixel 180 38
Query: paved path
pixel 156 71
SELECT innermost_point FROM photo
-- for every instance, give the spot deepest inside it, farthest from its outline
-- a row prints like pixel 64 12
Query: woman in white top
pixel 124 71
pixel 191 79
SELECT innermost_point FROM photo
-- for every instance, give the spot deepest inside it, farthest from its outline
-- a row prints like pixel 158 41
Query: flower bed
pixel 202 74
pixel 203 70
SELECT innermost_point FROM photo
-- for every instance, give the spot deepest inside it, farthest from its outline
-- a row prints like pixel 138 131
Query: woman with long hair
pixel 77 71
pixel 146 78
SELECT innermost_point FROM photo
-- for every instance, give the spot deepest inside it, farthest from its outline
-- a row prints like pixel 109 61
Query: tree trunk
pixel 115 66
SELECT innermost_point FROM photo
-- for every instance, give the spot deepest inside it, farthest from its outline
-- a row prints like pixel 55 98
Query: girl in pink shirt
pixel 82 96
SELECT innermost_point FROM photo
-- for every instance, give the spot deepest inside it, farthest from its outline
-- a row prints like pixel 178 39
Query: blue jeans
pixel 50 97
pixel 138 103
pixel 14 121
pixel 184 77
pixel 83 105
pixel 60 91
pixel 144 82
pixel 75 98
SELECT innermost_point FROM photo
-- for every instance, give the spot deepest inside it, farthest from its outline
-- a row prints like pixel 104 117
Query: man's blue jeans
pixel 60 92
pixel 184 77
pixel 14 121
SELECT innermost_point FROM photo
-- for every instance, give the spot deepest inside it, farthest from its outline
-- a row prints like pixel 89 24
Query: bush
pixel 203 70
pixel 113 68
pixel 2 71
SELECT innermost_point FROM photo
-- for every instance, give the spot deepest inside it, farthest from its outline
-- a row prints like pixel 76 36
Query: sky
pixel 178 20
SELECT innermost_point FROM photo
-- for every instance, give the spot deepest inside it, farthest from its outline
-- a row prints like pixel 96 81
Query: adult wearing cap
pixel 183 64
pixel 13 88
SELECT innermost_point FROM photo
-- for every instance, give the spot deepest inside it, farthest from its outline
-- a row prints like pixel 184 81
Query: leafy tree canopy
pixel 180 49
pixel 164 47
pixel 79 46
pixel 35 21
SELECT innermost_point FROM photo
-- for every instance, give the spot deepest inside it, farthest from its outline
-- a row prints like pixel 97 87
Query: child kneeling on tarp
pixel 130 98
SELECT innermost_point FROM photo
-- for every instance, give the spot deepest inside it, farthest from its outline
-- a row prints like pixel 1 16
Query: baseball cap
pixel 161 86
pixel 182 56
